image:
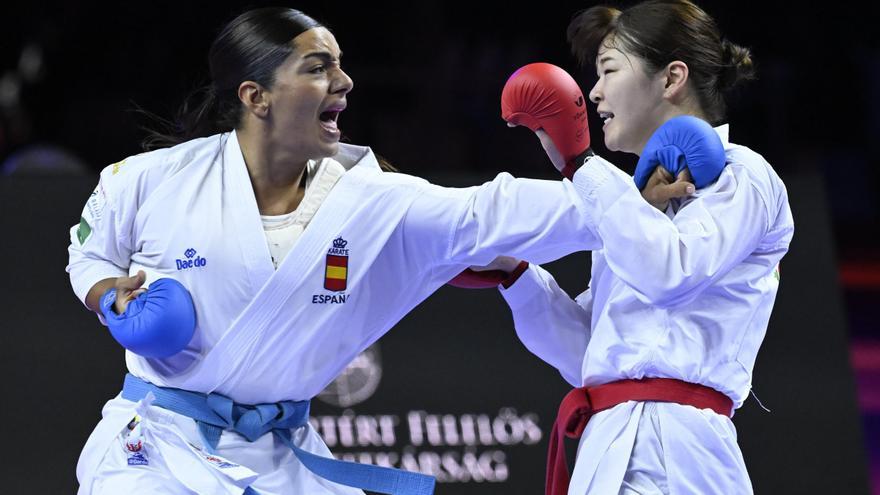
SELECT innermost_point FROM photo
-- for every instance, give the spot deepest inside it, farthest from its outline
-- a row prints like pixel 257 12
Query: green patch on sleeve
pixel 84 230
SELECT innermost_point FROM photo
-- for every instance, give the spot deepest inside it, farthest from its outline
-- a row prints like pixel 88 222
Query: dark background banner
pixel 449 391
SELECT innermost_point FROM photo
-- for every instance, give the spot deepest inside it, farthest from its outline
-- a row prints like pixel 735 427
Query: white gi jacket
pixel 687 295
pixel 379 245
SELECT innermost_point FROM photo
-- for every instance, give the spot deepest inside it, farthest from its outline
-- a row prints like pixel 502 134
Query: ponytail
pixel 249 48
pixel 198 116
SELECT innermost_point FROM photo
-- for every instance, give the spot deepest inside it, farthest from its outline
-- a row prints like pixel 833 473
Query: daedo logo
pixel 190 262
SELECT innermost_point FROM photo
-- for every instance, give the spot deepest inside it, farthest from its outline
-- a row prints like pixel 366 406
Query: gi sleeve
pixel 535 220
pixel 670 261
pixel 101 243
pixel 549 323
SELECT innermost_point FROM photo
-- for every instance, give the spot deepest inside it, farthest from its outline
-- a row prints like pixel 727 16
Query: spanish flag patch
pixel 336 274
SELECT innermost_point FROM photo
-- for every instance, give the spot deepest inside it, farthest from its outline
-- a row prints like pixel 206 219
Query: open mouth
pixel 606 117
pixel 329 119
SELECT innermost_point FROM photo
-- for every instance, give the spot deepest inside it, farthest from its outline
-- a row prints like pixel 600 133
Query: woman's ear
pixel 254 97
pixel 676 75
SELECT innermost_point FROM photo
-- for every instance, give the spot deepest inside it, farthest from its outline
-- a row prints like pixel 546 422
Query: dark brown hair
pixel 660 32
pixel 248 48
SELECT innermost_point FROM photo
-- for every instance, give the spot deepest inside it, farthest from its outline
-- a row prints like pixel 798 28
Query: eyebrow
pixel 604 59
pixel 326 56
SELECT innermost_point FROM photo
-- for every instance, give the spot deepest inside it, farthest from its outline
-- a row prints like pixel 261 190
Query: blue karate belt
pixel 214 413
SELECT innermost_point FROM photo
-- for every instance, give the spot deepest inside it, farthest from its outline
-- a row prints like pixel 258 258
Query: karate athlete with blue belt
pixel 662 344
pixel 246 265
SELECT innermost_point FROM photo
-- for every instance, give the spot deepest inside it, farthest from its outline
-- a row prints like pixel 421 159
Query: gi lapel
pixel 236 346
pixel 240 203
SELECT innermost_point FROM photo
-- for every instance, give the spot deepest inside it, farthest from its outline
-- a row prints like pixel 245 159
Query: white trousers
pixel 649 448
pixel 162 453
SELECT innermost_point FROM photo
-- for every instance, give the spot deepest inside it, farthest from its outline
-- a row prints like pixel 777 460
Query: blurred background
pixel 428 78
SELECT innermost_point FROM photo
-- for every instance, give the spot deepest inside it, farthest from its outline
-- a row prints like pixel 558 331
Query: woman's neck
pixel 276 175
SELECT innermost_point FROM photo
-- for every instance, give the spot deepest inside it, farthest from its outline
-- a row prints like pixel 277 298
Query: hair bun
pixel 736 65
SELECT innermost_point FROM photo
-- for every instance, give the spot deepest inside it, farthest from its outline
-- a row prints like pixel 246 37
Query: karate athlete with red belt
pixel 662 344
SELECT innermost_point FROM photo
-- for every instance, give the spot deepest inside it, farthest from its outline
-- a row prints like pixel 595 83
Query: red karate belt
pixel 581 404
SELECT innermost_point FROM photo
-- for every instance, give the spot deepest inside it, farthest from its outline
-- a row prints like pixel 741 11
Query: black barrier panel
pixel 454 393
pixel 456 396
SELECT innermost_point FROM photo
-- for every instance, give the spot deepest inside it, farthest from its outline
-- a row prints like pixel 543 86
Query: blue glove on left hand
pixel 158 323
pixel 683 142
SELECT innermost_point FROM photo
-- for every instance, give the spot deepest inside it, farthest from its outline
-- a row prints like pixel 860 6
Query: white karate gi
pixel 686 295
pixel 262 335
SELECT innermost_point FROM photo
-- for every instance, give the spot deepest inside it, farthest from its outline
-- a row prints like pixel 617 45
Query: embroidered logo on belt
pixel 190 262
pixel 220 462
pixel 235 471
pixel 138 459
pixel 336 272
pixel 134 444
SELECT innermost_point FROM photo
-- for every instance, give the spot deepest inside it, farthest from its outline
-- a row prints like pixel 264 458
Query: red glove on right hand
pixel 472 279
pixel 544 96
